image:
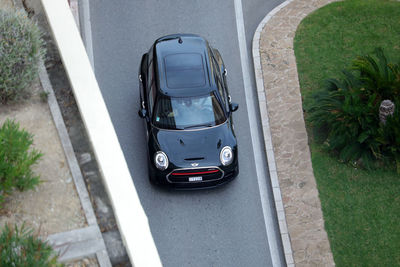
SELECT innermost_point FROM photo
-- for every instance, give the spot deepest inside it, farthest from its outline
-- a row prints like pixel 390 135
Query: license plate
pixel 195 179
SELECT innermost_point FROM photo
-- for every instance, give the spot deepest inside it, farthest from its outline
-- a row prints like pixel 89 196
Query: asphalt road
pixel 218 227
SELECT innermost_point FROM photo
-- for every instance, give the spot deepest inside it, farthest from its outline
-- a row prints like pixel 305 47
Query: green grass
pixel 330 38
pixel 361 208
pixel 361 211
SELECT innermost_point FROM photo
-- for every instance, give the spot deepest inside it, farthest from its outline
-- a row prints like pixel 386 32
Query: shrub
pixel 19 247
pixel 16 159
pixel 21 49
pixel 378 75
pixel 345 115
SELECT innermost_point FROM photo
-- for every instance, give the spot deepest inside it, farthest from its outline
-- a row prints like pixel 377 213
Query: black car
pixel 185 102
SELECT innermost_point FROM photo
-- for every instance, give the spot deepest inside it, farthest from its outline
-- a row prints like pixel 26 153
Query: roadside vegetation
pixel 17 158
pixel 348 59
pixel 21 49
pixel 20 247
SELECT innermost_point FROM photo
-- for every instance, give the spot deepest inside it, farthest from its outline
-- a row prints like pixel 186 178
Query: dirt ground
pixel 5 4
pixel 54 205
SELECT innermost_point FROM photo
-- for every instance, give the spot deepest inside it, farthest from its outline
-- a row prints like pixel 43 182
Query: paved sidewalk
pixel 283 124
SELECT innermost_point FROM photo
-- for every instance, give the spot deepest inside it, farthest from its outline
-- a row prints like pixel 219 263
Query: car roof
pixel 182 65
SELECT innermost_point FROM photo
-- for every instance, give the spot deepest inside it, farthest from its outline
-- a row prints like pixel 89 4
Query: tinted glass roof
pixel 184 70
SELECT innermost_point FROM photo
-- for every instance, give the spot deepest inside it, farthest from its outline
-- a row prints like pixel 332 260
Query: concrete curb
pixel 129 213
pixel 101 251
pixel 287 247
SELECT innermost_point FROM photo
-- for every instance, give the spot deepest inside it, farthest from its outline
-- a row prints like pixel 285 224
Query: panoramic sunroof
pixel 184 70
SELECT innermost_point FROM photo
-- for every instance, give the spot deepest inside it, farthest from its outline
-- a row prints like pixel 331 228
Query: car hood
pixel 202 146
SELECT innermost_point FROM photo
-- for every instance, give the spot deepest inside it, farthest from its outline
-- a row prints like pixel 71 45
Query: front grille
pixel 194 159
pixel 195 175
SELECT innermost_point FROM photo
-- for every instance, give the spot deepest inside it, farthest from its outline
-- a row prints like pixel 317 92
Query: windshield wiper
pixel 198 125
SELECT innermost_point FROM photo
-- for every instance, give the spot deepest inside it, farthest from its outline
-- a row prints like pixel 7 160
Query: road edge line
pixel 256 139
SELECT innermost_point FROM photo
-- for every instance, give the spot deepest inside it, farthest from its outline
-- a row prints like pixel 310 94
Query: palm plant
pixel 345 114
pixel 378 75
pixel 345 118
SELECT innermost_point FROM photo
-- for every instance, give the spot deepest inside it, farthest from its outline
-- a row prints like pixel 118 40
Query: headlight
pixel 161 160
pixel 226 155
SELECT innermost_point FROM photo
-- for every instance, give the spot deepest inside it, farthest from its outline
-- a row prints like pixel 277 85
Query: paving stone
pixel 289 137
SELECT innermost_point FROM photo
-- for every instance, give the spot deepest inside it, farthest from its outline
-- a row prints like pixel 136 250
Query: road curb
pixel 101 253
pixel 262 102
pixel 129 214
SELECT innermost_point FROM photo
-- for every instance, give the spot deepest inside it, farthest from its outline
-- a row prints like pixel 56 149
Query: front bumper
pixel 192 178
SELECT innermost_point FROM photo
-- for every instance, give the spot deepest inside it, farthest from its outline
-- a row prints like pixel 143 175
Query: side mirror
pixel 225 72
pixel 142 113
pixel 233 107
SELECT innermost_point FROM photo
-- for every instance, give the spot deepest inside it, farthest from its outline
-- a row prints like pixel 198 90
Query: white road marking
pixel 251 111
pixel 256 139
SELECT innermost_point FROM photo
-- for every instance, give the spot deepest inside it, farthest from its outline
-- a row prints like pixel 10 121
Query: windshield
pixel 188 112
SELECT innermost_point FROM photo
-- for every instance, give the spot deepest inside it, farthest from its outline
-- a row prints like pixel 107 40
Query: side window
pixel 226 89
pixel 210 59
pixel 151 88
pixel 220 80
pixel 217 75
pixel 150 72
pixel 223 77
pixel 223 94
pixel 221 90
pixel 213 63
pixel 215 67
pixel 151 98
pixel 218 57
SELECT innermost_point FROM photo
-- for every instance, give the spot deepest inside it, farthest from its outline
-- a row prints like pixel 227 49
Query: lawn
pixel 330 38
pixel 361 211
pixel 361 208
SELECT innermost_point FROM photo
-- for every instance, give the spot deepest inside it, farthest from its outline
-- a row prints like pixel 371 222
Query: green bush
pixel 19 247
pixel 379 76
pixel 16 159
pixel 345 115
pixel 21 49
